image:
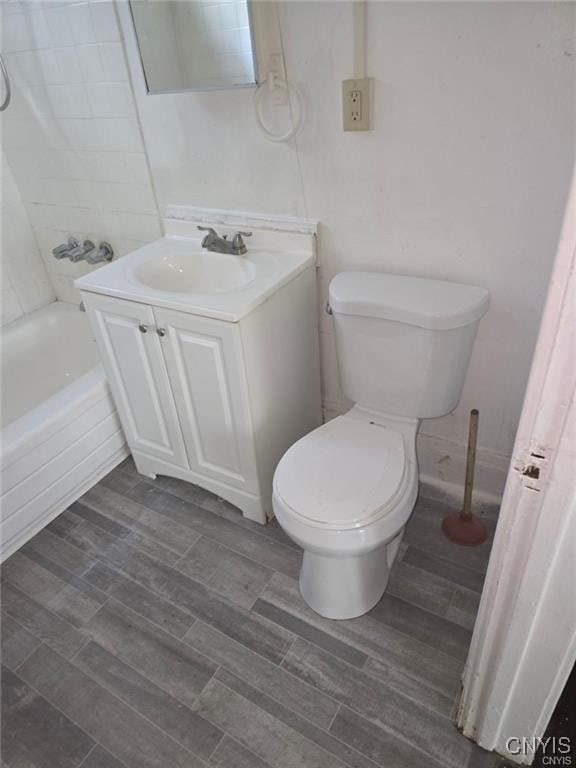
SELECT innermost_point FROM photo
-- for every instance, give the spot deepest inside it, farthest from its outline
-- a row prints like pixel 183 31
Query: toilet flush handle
pixel 328 309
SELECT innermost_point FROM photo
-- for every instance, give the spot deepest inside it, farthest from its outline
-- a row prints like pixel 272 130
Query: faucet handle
pixel 104 252
pixel 81 251
pixel 238 245
pixel 208 229
pixel 61 251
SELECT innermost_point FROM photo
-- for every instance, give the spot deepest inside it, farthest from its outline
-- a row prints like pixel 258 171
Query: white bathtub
pixel 60 430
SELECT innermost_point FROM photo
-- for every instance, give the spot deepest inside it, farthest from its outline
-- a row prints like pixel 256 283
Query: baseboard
pixel 442 466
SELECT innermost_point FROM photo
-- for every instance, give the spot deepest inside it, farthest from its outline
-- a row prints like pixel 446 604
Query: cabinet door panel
pixel 137 376
pixel 204 360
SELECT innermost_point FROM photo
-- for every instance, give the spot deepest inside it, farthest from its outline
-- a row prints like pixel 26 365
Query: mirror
pixel 194 44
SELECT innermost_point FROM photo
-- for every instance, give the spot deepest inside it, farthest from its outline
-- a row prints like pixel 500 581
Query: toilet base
pixel 347 587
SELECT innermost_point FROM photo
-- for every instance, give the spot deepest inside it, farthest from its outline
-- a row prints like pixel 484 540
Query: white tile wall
pixel 25 282
pixel 71 133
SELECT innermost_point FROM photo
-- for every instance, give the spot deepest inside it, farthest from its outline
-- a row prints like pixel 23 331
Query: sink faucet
pixel 213 242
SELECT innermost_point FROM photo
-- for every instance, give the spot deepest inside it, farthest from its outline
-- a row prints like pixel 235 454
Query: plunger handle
pixel 470 464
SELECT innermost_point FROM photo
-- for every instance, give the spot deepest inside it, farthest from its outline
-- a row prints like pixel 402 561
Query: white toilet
pixel 345 491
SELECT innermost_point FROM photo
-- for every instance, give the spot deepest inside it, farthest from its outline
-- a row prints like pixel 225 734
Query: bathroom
pixel 146 620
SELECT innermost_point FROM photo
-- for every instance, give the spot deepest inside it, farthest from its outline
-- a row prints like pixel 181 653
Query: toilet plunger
pixel 462 527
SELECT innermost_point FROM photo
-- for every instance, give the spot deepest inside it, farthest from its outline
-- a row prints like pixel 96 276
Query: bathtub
pixel 60 429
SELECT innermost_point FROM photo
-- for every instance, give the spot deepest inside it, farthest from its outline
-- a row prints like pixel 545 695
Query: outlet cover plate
pixel 356 104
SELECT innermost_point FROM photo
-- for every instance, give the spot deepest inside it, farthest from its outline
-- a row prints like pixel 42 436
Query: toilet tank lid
pixel 435 304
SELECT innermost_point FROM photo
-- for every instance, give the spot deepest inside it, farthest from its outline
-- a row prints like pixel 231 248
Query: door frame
pixel 524 641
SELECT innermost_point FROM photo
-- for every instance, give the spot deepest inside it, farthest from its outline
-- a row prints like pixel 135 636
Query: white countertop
pixel 272 260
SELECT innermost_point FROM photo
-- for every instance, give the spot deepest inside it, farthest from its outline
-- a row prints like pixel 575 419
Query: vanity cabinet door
pixel 206 368
pixel 130 348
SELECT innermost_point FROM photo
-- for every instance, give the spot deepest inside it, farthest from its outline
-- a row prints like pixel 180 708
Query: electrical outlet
pixel 356 104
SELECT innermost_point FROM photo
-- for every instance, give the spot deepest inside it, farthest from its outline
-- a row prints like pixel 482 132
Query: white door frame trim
pixel 517 667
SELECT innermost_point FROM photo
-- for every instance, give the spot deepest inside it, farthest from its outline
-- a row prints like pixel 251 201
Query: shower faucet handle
pixel 62 251
pixel 81 251
pixel 104 252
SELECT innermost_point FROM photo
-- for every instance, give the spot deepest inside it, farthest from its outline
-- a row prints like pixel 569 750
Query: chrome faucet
pixel 62 251
pixel 213 242
pixel 81 251
pixel 104 252
pixel 88 252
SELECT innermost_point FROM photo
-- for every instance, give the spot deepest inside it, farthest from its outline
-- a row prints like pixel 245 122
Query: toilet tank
pixel 403 343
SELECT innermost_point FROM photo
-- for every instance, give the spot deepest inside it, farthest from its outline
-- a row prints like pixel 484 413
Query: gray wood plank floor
pixel 151 626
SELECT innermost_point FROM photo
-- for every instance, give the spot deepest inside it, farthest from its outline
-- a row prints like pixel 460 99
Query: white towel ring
pixel 296 102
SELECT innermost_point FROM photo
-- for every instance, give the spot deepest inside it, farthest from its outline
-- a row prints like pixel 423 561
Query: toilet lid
pixel 343 473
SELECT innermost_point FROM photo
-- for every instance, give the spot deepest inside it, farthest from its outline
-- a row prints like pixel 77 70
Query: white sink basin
pixel 175 272
pixel 203 272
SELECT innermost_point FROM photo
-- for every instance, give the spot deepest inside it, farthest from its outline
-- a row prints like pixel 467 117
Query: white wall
pixel 71 133
pixel 464 176
pixel 25 282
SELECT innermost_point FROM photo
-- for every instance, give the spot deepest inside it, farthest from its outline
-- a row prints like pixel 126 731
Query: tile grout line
pixel 178 562
pixel 365 652
pixel 432 761
pixel 447 560
pixel 118 698
pixel 310 741
pixel 131 530
pixel 165 631
pixel 331 723
pixel 199 507
pixel 398 690
pixel 259 597
pixel 48 610
pixel 58 593
pixel 361 669
pixel 87 755
pixel 98 560
pixel 449 585
pixel 45 698
pixel 422 642
pixel 224 734
pixel 40 643
pixel 189 527
pixel 278 665
pixel 101 559
pixel 351 666
pixel 156 595
pixel 228 736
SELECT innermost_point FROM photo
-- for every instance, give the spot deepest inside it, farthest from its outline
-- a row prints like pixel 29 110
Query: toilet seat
pixel 343 475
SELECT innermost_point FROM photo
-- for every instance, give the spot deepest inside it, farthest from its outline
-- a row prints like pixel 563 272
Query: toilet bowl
pixel 345 492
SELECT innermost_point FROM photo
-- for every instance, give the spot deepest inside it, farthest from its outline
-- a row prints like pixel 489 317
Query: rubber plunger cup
pixel 462 527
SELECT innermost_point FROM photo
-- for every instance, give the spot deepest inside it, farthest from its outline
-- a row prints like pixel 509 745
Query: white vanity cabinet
pixel 137 375
pixel 210 401
pixel 206 371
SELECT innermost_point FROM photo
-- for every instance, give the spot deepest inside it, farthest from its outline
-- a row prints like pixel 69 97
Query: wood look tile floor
pixel 151 626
